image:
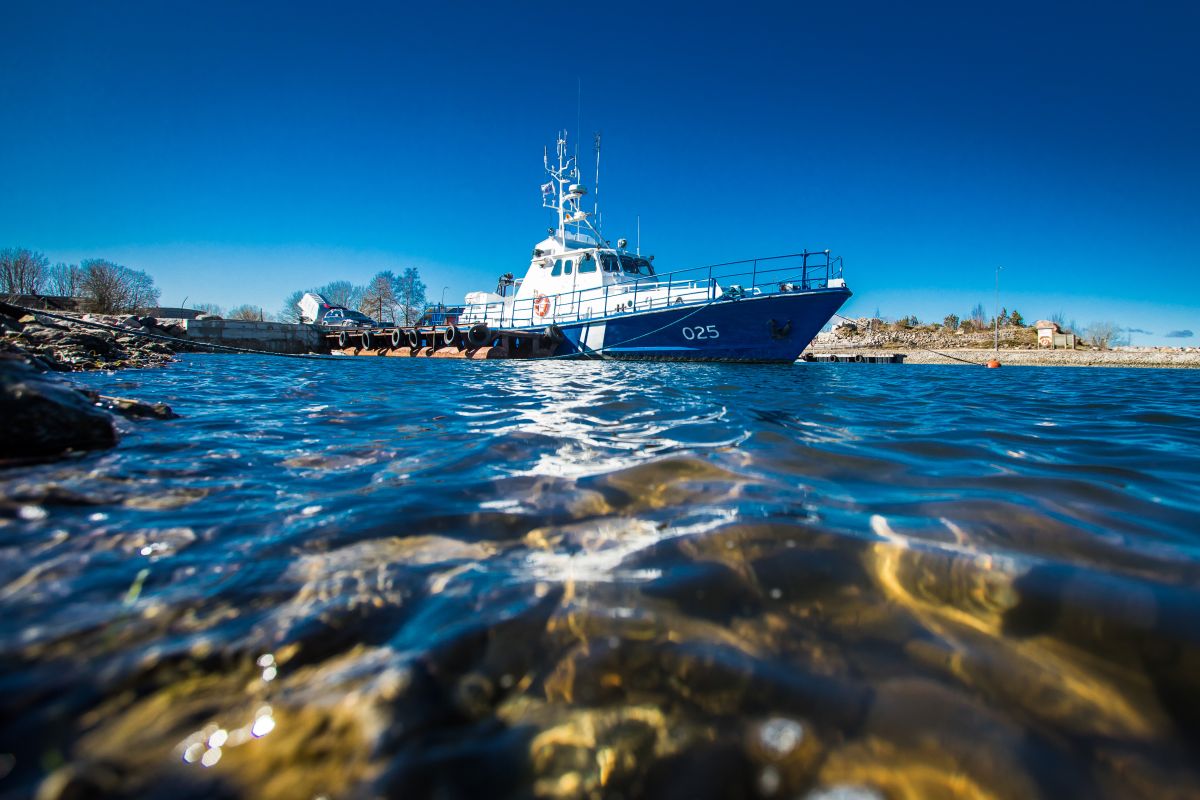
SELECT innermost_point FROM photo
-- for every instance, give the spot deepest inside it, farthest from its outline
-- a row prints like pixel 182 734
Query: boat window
pixel 567 268
pixel 557 267
pixel 610 262
pixel 636 266
pixel 588 264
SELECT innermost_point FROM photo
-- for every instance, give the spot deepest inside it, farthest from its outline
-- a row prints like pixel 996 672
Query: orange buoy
pixel 993 364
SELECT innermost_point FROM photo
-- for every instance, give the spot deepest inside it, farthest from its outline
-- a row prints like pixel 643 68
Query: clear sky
pixel 239 150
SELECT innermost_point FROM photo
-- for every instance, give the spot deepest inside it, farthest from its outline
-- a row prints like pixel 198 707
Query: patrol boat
pixel 594 300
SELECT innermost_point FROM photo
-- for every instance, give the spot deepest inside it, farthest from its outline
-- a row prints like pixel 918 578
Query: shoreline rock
pixel 63 345
pixel 42 416
pixel 1145 359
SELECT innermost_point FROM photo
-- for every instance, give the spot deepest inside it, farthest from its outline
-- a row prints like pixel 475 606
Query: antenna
pixel 578 114
pixel 596 196
pixel 639 237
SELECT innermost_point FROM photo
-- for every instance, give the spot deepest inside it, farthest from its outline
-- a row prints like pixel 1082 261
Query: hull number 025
pixel 701 332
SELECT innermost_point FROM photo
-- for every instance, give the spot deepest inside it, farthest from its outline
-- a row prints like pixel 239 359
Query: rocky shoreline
pixel 42 416
pixel 1143 358
pixel 1017 347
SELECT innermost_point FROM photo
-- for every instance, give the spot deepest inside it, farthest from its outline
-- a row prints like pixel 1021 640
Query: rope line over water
pixel 186 342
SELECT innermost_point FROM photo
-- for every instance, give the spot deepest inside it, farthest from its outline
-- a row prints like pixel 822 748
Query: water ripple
pixel 383 577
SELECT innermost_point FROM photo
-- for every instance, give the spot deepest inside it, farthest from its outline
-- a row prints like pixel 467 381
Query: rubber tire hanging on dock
pixel 479 334
pixel 414 341
pixel 343 340
pixel 365 337
pixel 450 335
pixel 396 337
pixel 553 334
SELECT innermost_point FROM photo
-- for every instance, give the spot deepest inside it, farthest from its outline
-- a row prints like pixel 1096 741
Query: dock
pixel 853 358
pixel 442 342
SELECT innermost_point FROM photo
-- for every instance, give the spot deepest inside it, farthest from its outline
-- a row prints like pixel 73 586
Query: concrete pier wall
pixel 276 337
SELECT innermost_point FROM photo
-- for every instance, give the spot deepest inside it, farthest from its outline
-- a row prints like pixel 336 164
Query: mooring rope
pixel 186 342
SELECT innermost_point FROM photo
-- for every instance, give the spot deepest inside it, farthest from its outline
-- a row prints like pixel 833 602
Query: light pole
pixel 996 312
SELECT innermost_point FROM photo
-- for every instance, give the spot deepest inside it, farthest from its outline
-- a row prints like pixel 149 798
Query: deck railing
pixel 797 272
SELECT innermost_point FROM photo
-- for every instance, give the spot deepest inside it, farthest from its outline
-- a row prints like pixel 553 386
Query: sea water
pixel 430 578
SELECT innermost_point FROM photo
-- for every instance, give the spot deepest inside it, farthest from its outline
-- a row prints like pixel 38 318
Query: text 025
pixel 701 332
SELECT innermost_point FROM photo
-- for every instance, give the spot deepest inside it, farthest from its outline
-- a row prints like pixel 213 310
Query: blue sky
pixel 237 151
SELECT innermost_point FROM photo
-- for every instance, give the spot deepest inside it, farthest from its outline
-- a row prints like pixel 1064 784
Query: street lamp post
pixel 996 312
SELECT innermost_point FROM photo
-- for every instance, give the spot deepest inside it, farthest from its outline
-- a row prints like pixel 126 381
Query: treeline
pixel 1102 334
pixel 99 285
pixel 975 320
pixel 387 297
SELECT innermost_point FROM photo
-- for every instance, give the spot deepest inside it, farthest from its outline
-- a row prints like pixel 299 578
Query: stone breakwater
pixel 1166 358
pixel 65 344
pixel 1018 347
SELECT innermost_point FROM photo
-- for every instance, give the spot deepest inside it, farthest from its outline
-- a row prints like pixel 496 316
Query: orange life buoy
pixel 542 305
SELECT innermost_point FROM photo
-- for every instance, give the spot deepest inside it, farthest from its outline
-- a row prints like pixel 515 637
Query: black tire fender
pixel 479 334
pixel 450 335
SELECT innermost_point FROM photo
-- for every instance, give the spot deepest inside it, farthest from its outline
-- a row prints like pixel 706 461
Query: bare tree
pixel 291 308
pixel 342 293
pixel 65 280
pixel 246 313
pixel 1104 334
pixel 22 271
pixel 979 316
pixel 110 288
pixel 410 294
pixel 379 297
pixel 212 309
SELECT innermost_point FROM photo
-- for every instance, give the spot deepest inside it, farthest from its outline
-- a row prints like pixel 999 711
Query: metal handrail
pixel 568 306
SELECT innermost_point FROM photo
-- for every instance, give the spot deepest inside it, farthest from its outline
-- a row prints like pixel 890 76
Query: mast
pixel 596 188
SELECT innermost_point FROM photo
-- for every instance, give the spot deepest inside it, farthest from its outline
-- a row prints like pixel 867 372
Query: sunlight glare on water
pixel 560 579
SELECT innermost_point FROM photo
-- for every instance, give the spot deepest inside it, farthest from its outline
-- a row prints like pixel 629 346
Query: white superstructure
pixel 575 273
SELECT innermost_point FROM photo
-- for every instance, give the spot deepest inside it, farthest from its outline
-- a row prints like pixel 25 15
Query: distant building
pixel 46 302
pixel 441 315
pixel 1053 337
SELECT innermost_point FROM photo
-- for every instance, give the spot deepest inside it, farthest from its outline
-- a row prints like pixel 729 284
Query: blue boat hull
pixel 766 328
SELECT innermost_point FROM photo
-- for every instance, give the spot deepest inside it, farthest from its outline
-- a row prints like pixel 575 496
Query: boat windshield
pixel 630 265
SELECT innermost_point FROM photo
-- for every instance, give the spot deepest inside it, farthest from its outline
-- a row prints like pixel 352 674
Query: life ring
pixel 541 305
pixel 343 339
pixel 414 341
pixel 450 335
pixel 479 334
pixel 396 337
